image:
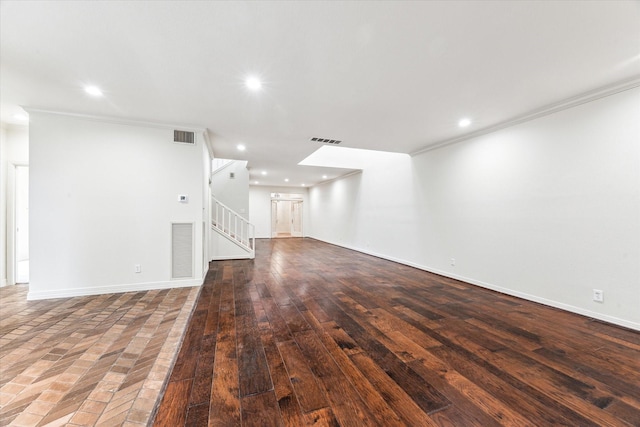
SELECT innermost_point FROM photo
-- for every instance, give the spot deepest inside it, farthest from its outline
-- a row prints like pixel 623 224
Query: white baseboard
pixel 113 289
pixel 227 258
pixel 556 304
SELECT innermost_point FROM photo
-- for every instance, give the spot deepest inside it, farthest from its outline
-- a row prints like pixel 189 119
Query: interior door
pixel 296 219
pixel 274 218
pixel 22 224
pixel 283 218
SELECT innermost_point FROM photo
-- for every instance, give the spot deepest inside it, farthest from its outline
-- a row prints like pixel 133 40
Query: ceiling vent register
pixel 184 137
pixel 326 140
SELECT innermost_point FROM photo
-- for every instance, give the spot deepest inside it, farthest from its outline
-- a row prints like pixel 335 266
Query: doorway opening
pixel 21 225
pixel 286 215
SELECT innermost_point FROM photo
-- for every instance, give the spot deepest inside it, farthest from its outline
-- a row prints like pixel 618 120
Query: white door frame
pixel 274 233
pixel 12 261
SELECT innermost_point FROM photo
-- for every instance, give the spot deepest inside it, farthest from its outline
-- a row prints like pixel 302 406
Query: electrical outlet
pixel 138 268
pixel 453 262
pixel 598 295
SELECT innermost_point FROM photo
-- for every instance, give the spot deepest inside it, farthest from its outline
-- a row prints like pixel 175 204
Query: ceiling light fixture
pixel 303 185
pixel 93 90
pixel 324 176
pixel 463 123
pixel 241 147
pixel 263 172
pixel 253 83
pixel 256 182
pixel 286 180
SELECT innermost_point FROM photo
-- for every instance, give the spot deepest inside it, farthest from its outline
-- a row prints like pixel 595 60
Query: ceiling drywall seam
pixel 565 104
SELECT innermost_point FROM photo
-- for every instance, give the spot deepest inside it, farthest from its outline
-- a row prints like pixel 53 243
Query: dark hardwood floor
pixel 313 334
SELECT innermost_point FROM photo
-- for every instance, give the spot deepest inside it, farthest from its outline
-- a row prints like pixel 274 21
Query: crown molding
pixel 555 107
pixel 117 120
pixel 337 178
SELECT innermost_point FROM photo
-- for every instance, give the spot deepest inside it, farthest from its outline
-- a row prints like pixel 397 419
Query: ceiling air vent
pixel 184 137
pixel 326 140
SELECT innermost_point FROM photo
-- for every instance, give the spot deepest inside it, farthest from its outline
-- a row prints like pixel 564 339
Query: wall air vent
pixel 325 140
pixel 184 137
pixel 182 250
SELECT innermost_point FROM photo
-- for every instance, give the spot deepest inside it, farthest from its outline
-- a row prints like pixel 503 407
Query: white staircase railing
pixel 233 226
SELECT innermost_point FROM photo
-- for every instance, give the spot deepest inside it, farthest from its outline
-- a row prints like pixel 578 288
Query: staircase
pixel 233 226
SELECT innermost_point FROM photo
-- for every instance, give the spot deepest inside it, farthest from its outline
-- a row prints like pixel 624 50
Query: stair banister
pixel 233 226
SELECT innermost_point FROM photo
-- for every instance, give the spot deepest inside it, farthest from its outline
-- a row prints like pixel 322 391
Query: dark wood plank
pixel 261 410
pixel 173 409
pixel 201 392
pixel 343 397
pixel 225 391
pixel 313 334
pixel 252 364
pixel 396 397
pixel 197 416
pixel 375 402
pixel 425 396
pixel 284 393
pixel 322 418
pixel 302 379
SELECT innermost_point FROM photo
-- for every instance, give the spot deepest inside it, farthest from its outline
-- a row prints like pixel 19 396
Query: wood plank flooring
pixel 313 334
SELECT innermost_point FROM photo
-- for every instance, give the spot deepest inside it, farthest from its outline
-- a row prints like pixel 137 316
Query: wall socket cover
pixel 183 198
pixel 598 295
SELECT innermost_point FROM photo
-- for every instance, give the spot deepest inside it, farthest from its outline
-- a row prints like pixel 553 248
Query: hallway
pixel 313 334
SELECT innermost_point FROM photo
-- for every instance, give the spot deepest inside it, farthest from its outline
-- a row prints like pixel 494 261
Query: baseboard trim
pixel 227 258
pixel 113 289
pixel 533 298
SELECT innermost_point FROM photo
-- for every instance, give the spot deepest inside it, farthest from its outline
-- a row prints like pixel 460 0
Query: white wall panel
pixel 547 210
pixel 103 197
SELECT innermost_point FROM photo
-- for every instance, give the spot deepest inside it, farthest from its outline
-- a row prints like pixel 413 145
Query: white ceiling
pixel 394 76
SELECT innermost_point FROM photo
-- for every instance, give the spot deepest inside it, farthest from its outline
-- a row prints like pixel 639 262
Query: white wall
pixel 547 210
pixel 3 206
pixel 14 150
pixel 260 203
pixel 103 197
pixel 233 192
pixel 207 155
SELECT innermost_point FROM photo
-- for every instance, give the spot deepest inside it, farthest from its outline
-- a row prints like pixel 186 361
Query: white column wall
pixel 547 210
pixel 103 197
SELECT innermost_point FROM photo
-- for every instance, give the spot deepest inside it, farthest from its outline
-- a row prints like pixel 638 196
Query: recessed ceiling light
pixel 241 147
pixel 303 185
pixel 256 182
pixel 324 176
pixel 463 123
pixel 286 180
pixel 263 172
pixel 21 117
pixel 253 83
pixel 93 90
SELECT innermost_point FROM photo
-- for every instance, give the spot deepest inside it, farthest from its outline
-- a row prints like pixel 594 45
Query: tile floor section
pixel 98 360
